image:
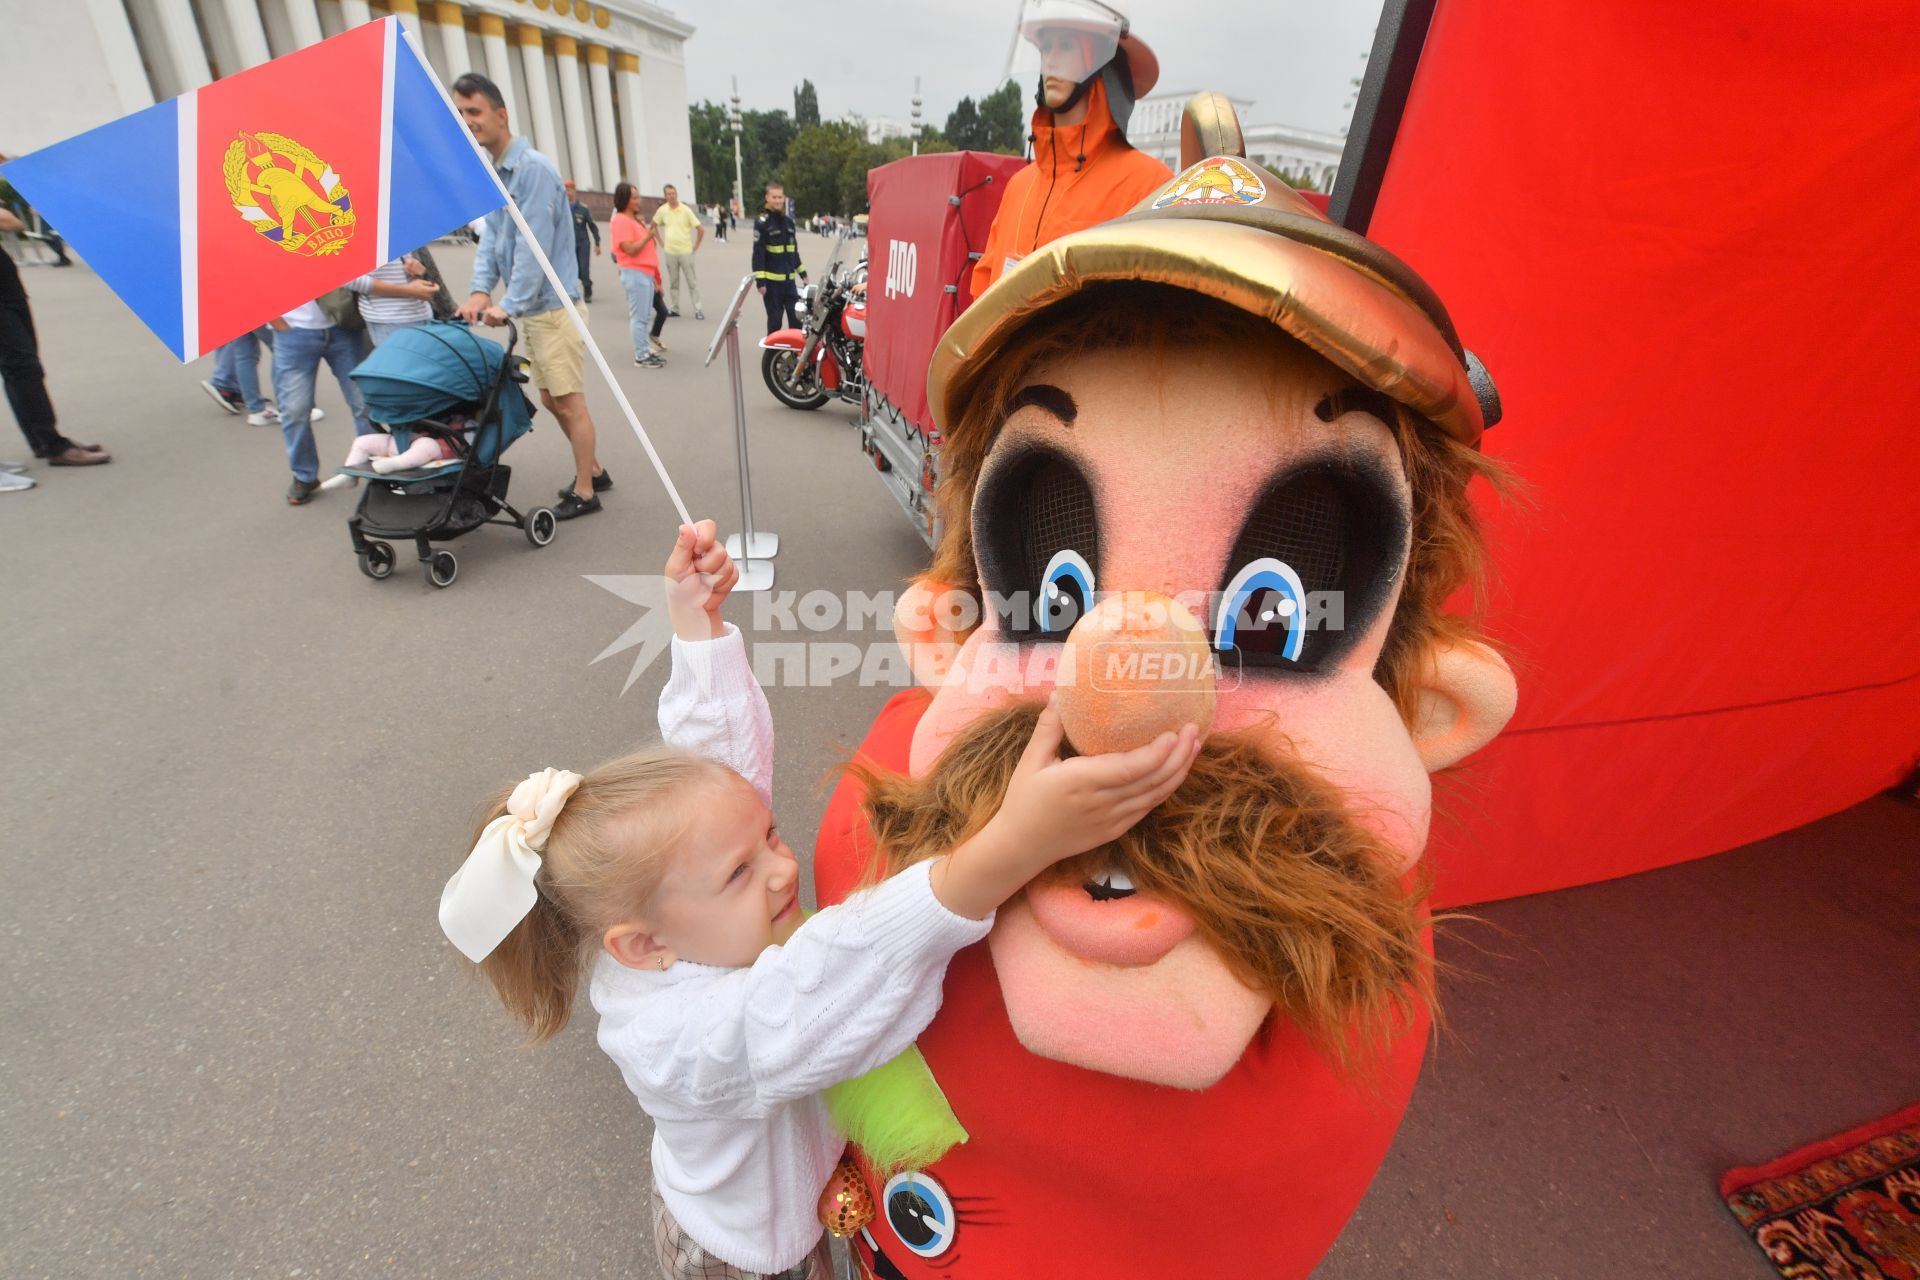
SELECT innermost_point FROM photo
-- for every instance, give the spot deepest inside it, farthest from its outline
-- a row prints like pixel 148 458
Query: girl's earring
pixel 663 963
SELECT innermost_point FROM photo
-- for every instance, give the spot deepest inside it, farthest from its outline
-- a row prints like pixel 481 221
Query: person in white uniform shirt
pixel 726 1014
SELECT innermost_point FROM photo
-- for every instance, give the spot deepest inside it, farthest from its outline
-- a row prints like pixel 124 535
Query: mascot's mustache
pixel 1301 901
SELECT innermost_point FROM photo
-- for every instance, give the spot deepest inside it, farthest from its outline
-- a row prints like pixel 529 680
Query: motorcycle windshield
pixel 833 258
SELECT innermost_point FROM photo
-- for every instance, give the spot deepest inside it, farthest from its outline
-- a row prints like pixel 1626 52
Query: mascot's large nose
pixel 1136 665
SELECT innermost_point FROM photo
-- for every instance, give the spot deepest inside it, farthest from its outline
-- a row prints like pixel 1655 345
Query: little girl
pixel 727 1015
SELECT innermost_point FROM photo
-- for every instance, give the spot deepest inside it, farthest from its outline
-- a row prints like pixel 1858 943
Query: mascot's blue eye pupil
pixel 1263 621
pixel 1063 603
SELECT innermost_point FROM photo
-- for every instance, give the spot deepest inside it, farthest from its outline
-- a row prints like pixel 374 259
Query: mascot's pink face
pixel 1187 475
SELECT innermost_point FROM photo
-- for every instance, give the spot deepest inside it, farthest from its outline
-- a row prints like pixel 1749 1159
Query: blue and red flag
pixel 214 212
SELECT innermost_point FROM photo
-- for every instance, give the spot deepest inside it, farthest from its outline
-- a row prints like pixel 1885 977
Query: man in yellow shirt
pixel 680 232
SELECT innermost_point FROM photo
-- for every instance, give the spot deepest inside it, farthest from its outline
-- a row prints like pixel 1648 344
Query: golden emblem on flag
pixel 1215 180
pixel 288 194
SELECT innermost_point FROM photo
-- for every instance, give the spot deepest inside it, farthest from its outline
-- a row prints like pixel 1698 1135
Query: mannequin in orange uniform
pixel 1083 171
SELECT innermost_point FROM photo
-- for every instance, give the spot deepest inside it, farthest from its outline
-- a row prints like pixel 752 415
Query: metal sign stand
pixel 752 550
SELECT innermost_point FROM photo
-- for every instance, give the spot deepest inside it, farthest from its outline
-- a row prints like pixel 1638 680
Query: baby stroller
pixel 445 381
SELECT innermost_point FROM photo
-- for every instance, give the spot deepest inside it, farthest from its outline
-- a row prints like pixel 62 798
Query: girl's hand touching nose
pixel 1057 808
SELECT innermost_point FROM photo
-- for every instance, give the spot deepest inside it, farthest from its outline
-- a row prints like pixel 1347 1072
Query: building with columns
pixel 1303 153
pixel 599 87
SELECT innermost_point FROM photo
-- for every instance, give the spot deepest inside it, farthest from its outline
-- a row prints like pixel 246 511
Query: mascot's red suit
pixel 1219 424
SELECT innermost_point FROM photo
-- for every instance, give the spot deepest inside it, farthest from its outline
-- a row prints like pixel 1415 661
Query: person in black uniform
pixel 776 260
pixel 583 225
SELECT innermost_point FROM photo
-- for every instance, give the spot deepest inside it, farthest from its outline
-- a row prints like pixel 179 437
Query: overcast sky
pixel 1294 58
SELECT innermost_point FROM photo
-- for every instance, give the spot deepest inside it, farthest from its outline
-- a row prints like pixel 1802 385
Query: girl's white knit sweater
pixel 730 1063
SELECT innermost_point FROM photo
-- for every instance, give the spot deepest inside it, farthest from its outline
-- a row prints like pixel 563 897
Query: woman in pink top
pixel 637 254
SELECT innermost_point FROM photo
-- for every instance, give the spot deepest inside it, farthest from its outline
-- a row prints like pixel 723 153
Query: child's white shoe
pixel 340 482
pixel 386 465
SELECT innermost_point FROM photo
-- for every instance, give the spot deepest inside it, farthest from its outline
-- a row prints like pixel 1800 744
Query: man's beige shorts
pixel 556 351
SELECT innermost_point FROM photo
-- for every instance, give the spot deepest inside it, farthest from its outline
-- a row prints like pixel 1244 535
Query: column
pixel 304 17
pixel 566 57
pixel 626 70
pixel 493 38
pixel 249 37
pixel 453 39
pixel 408 11
pixel 533 62
pixel 112 27
pixel 182 35
pixel 355 12
pixel 600 83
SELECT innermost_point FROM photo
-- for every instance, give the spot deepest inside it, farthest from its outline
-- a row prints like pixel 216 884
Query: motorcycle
pixel 823 359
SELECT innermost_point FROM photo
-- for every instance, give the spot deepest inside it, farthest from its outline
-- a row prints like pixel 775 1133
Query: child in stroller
pixel 379 452
pixel 452 403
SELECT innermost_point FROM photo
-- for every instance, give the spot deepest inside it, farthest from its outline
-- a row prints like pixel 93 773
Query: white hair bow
pixel 493 889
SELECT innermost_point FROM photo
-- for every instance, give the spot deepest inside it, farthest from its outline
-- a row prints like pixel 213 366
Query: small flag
pixel 214 212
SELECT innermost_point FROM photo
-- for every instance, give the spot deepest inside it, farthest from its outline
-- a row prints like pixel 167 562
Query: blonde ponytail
pixel 603 860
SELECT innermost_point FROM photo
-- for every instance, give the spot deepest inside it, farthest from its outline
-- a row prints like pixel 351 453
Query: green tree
pixel 998 122
pixel 820 164
pixel 964 128
pixel 712 150
pixel 764 139
pixel 853 178
pixel 806 105
pixel 768 136
pixel 1003 120
pixel 931 141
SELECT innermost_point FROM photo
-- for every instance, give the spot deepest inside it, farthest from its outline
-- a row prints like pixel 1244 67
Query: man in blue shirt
pixel 554 347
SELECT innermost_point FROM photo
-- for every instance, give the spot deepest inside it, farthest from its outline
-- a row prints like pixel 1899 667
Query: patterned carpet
pixel 1844 1209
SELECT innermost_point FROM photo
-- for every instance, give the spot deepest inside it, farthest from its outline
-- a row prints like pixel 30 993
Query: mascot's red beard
pixel 1299 899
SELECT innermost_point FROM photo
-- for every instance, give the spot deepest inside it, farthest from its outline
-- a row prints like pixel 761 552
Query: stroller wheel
pixel 540 526
pixel 442 569
pixel 377 560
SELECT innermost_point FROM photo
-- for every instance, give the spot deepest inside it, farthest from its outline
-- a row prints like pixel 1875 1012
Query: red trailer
pixel 930 215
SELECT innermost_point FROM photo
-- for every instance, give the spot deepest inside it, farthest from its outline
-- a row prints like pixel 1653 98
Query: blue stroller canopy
pixel 423 371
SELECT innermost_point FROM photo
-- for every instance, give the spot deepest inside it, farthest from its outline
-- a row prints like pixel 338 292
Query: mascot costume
pixel 1219 427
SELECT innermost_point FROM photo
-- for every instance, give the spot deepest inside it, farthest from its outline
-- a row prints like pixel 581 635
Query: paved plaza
pixel 233 1041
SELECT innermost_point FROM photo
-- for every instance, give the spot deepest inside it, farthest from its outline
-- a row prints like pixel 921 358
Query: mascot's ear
pixel 1466 697
pixel 930 647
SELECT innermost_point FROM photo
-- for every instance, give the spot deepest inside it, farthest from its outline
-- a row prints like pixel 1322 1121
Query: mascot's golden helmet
pixel 1226 228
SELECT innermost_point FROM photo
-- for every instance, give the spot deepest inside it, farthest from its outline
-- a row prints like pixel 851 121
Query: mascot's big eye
pixel 1309 567
pixel 1066 592
pixel 920 1213
pixel 1263 612
pixel 1037 535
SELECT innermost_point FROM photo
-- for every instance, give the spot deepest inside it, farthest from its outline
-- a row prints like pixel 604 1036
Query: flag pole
pixel 553 278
